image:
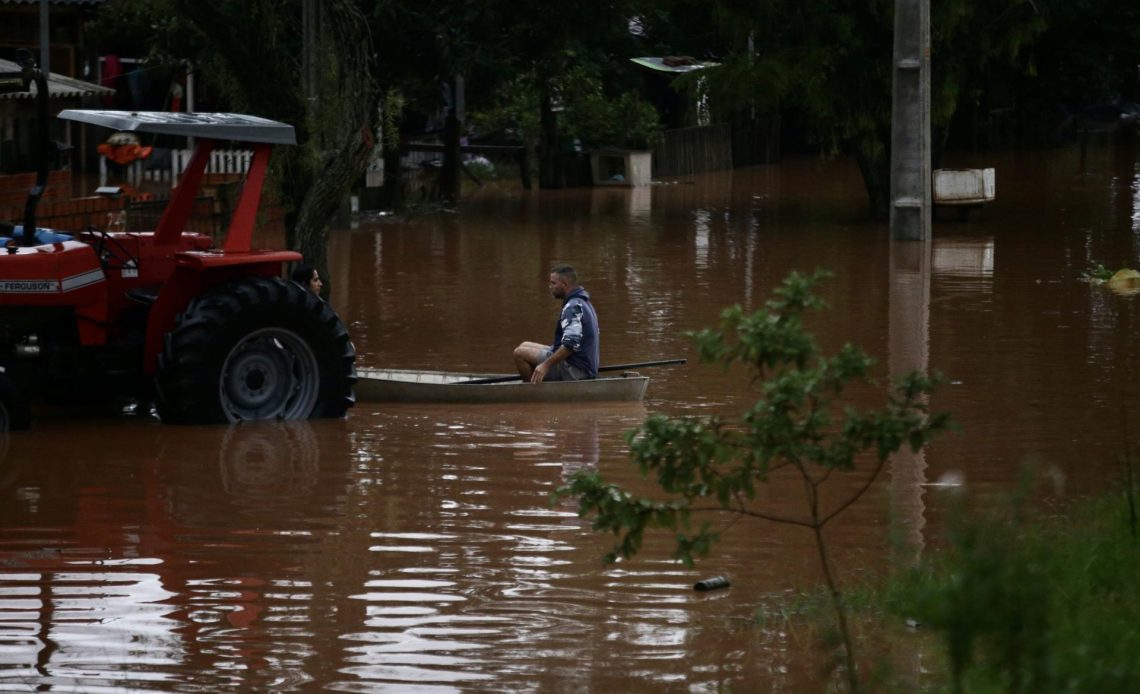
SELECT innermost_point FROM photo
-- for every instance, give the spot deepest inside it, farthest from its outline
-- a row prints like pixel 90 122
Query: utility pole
pixel 45 38
pixel 910 123
pixel 310 30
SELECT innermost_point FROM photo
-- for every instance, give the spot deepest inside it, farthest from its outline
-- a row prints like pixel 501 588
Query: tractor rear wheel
pixel 257 348
pixel 15 415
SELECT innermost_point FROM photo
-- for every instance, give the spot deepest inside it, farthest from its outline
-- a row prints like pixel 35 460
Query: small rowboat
pixel 404 385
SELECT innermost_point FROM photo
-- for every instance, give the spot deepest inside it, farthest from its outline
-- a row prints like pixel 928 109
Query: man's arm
pixel 572 326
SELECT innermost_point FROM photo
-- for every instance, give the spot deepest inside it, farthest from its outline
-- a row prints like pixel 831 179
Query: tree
pixel 260 42
pixel 706 465
pixel 830 63
pixel 590 115
pixel 548 41
pixel 514 58
pixel 1087 55
pixel 250 52
pixel 422 49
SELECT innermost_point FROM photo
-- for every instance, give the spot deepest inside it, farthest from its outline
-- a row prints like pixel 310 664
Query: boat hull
pixel 401 385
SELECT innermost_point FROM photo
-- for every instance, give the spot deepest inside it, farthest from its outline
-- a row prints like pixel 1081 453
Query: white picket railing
pixel 222 161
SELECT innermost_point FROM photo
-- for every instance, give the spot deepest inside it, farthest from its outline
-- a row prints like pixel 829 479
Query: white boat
pixel 406 385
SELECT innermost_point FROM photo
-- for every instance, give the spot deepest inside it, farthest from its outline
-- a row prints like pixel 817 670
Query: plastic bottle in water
pixel 711 583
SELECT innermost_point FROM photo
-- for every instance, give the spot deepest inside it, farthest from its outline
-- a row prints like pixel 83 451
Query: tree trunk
pixel 260 44
pixel 345 120
pixel 876 172
pixel 393 195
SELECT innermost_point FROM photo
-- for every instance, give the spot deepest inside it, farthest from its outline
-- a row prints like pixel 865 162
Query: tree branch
pixel 754 514
pixel 858 493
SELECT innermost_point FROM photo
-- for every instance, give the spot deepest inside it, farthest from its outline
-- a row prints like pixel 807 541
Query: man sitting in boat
pixel 574 354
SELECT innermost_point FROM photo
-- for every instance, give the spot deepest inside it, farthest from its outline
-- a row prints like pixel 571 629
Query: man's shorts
pixel 563 371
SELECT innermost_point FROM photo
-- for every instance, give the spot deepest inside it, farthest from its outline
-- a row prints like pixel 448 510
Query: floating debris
pixel 711 583
pixel 1124 282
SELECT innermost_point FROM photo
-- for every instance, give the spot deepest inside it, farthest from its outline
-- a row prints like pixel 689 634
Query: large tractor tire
pixel 257 348
pixel 15 414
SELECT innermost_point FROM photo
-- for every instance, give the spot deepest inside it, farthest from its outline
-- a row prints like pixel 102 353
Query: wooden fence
pixel 692 150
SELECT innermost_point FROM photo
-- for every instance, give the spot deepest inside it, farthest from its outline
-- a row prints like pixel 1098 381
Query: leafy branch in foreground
pixel 797 427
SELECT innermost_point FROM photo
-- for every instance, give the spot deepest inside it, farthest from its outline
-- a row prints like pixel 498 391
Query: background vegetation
pixel 798 426
pixel 547 74
pixel 1021 605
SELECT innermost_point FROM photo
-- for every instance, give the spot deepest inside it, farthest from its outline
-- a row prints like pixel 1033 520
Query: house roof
pixel 59 86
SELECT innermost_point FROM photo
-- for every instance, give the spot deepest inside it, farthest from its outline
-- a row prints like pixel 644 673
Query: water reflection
pixel 634 203
pixel 964 257
pixel 1136 203
pixel 7 472
pixel 701 231
pixel 415 547
pixel 277 463
pixel 500 575
pixel 909 351
pixel 192 564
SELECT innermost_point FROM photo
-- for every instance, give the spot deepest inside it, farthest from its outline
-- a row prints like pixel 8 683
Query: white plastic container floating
pixel 964 186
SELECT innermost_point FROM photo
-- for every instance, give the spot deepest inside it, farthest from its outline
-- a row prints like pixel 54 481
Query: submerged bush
pixel 1025 607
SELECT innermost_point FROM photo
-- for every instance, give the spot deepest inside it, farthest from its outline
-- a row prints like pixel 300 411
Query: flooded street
pixel 415 548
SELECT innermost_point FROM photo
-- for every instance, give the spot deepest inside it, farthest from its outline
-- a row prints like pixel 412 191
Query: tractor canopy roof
pixel 214 126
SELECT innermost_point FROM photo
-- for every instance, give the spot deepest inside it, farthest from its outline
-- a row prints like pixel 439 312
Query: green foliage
pixel 141 28
pixel 829 64
pixel 392 105
pixel 1097 271
pixel 626 120
pixel 515 113
pixel 1087 54
pixel 1028 606
pixel 797 425
pixel 589 114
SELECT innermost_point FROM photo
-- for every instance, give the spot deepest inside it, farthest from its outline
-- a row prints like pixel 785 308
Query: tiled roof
pixel 59 86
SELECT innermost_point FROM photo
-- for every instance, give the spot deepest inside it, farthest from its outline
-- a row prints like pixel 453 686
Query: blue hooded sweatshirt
pixel 578 331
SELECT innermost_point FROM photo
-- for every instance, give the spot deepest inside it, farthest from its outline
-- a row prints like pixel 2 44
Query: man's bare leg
pixel 527 356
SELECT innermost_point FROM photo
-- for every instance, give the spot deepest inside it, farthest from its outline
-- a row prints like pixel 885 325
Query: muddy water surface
pixel 415 548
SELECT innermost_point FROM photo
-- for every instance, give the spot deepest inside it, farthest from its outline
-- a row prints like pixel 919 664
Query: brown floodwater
pixel 414 548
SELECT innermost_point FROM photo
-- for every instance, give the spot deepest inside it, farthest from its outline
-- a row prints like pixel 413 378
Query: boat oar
pixel 612 367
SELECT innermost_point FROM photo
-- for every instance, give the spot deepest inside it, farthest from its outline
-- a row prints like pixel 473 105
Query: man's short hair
pixel 566 272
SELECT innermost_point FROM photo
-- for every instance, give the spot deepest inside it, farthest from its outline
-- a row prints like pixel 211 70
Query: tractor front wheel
pixel 258 348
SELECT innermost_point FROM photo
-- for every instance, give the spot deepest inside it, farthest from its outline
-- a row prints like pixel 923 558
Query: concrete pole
pixel 310 26
pixel 189 86
pixel 910 123
pixel 45 38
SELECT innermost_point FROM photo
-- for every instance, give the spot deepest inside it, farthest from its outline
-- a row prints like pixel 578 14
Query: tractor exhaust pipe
pixel 21 81
pixel 28 238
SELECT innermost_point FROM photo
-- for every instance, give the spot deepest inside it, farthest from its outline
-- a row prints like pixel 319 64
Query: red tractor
pixel 209 334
